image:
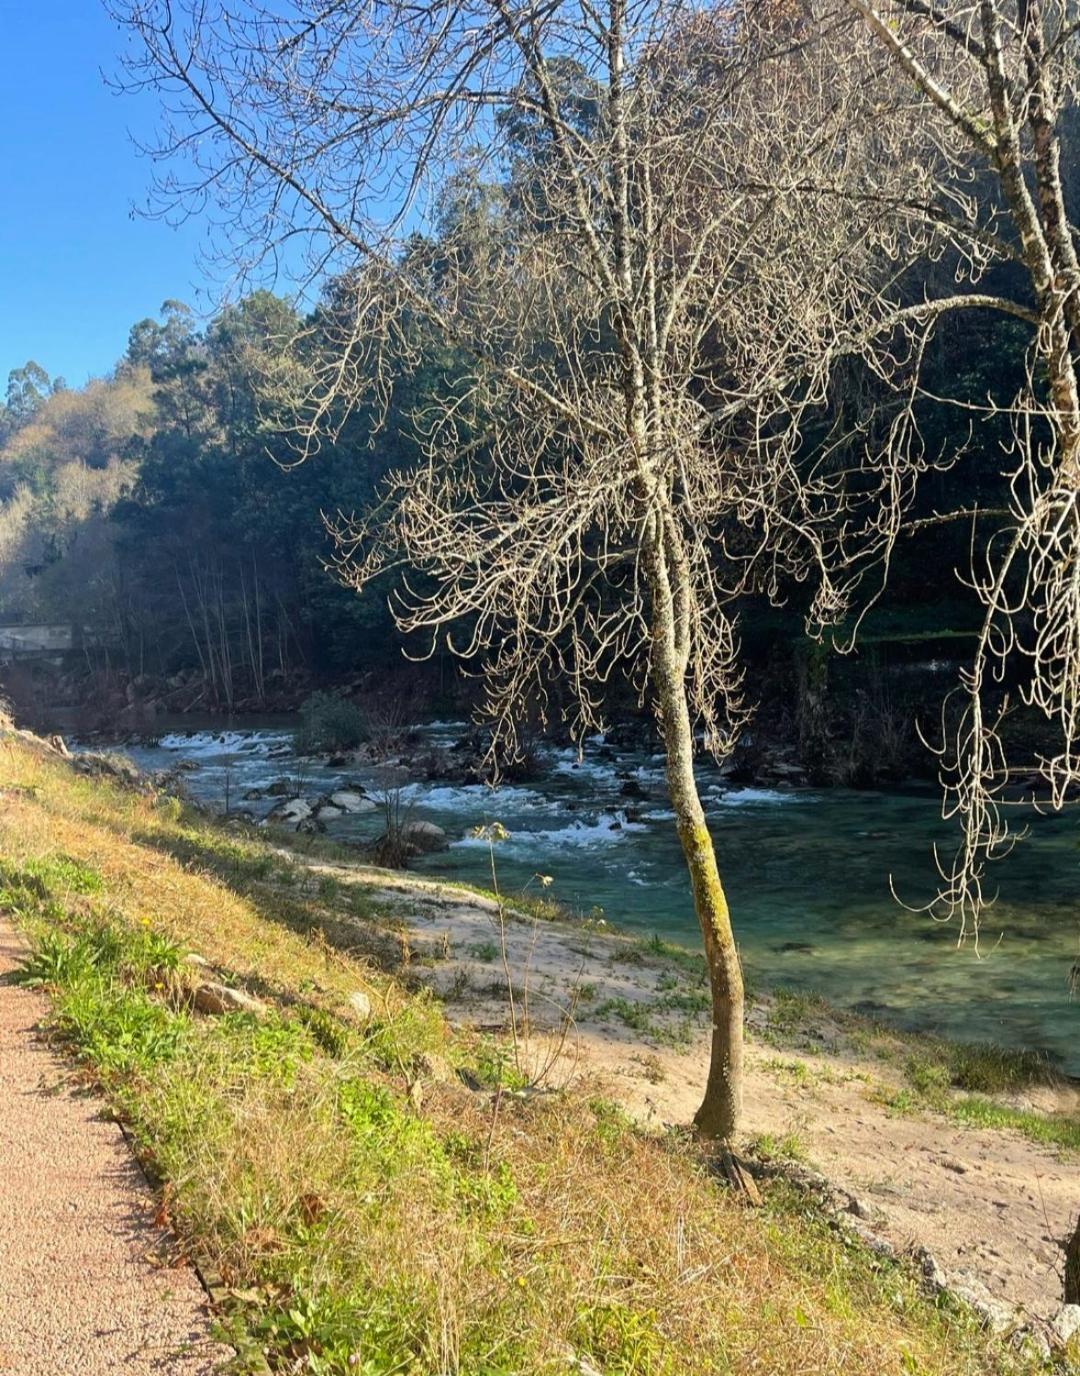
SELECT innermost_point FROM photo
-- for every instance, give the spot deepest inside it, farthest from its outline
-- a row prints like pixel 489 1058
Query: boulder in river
pixel 291 813
pixel 350 801
pixel 413 838
pixel 425 836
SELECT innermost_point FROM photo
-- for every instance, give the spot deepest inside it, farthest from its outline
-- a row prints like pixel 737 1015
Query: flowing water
pixel 807 872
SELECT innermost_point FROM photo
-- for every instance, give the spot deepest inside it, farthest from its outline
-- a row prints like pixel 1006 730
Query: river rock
pixel 417 838
pixel 424 836
pixel 109 765
pixel 220 998
pixel 1066 1323
pixel 280 788
pixel 327 812
pixel 348 801
pixel 292 813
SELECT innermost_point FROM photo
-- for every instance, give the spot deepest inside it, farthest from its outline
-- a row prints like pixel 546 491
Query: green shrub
pixel 329 723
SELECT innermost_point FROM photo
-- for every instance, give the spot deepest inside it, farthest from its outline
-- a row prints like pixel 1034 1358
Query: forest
pixel 161 511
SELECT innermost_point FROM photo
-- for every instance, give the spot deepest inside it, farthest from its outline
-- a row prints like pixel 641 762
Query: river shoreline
pixel 809 871
pixel 969 1159
pixel 825 1090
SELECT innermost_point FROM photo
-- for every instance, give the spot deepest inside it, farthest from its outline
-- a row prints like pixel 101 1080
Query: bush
pixel 328 723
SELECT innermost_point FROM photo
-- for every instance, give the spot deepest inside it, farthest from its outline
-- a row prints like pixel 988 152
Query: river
pixel 807 873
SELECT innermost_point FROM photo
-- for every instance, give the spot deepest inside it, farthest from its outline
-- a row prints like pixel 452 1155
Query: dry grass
pixel 370 1213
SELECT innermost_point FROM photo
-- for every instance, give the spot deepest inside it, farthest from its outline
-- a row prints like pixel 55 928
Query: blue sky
pixel 76 269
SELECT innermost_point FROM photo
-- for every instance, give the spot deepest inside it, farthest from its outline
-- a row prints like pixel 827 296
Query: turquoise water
pixel 807 875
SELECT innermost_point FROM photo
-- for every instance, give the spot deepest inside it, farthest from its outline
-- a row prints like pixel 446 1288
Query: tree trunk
pixel 1072 1267
pixel 720 1111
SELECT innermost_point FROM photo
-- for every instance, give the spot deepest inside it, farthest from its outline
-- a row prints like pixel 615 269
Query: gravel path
pixel 82 1288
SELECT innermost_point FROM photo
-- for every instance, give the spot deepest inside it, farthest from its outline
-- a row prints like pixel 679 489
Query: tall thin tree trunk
pixel 261 672
pixel 721 1109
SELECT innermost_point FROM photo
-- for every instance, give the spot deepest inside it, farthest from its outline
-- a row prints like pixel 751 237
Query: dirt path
pixel 84 1288
pixel 992 1206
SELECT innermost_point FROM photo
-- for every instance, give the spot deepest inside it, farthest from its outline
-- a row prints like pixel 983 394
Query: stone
pixel 360 1005
pixel 327 812
pixel 200 962
pixel 220 998
pixel 1031 1338
pixel 863 1209
pixel 348 801
pixel 996 1316
pixel 424 836
pixel 1066 1323
pixel 935 1280
pixel 293 812
pixel 280 788
pixel 866 1234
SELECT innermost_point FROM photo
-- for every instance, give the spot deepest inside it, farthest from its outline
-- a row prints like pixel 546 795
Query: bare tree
pixel 645 305
pixel 991 86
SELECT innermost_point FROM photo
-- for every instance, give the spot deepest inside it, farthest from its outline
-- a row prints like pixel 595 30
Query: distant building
pixel 37 641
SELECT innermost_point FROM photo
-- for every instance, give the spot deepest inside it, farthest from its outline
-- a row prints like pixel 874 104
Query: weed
pixel 486 951
pixel 327 888
pixel 793 1070
pixel 770 1147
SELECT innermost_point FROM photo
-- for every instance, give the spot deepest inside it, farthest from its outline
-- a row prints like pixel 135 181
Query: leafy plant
pixel 328 723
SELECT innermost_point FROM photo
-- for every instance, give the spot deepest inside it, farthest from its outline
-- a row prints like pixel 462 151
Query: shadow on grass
pixel 343 917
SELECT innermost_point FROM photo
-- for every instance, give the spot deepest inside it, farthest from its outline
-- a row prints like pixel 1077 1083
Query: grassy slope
pixel 369 1213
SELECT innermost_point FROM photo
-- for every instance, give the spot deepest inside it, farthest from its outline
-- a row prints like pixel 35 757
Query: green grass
pixel 770 1147
pixel 486 951
pixel 367 1212
pixel 1061 1131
